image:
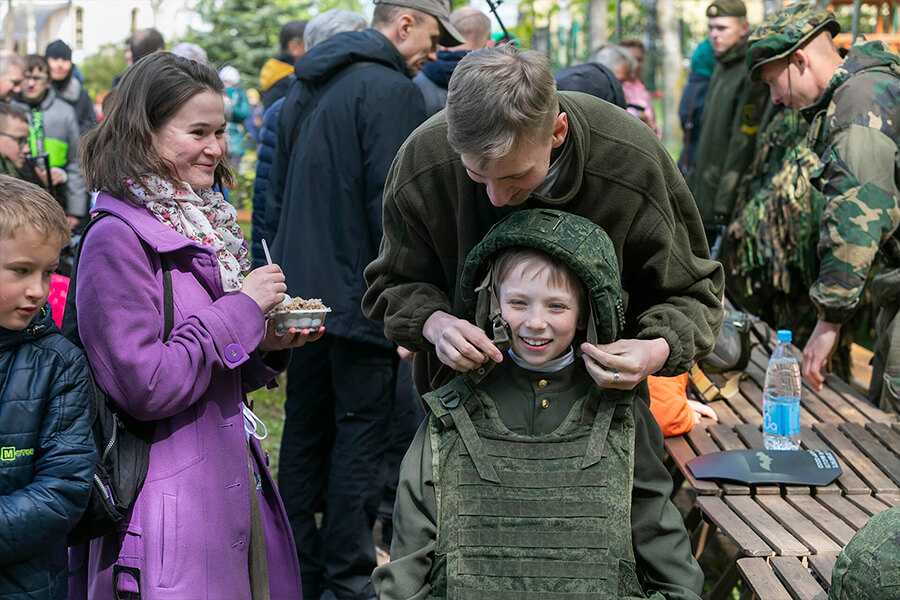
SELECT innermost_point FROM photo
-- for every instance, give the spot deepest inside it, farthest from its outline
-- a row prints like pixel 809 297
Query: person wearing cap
pixel 433 79
pixel 731 118
pixel 68 88
pixel 349 107
pixel 853 107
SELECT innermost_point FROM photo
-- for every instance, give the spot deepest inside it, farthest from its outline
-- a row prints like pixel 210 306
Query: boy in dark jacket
pixel 535 476
pixel 47 453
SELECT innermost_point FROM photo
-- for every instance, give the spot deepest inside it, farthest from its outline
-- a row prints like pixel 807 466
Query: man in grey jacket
pixel 53 130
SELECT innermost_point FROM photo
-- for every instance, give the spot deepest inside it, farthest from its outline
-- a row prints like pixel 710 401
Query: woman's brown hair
pixel 149 94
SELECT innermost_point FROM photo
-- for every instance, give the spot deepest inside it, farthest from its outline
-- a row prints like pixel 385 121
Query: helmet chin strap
pixel 487 313
pixel 590 331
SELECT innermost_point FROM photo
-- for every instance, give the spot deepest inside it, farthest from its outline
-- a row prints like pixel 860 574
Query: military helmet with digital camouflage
pixel 581 244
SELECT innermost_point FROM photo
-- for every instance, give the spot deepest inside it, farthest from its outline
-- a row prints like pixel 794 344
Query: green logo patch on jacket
pixel 11 453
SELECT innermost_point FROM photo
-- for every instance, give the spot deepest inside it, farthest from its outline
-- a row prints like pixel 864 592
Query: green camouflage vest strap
pixel 556 522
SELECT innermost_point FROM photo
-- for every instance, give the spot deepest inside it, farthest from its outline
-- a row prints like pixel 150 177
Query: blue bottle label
pixel 781 418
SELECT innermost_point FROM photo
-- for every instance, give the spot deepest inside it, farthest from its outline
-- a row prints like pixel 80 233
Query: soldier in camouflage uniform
pixel 531 477
pixel 853 107
pixel 731 118
pixel 869 567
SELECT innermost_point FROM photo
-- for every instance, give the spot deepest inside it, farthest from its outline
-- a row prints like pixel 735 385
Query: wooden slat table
pixel 784 577
pixel 788 537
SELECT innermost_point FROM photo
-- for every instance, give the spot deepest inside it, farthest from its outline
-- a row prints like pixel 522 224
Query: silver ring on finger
pixel 615 377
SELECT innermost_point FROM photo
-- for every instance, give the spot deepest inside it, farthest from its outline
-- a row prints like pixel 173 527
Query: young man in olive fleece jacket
pixel 581 155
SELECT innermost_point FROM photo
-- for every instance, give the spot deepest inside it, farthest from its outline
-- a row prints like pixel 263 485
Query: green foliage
pixel 241 194
pixel 244 33
pixel 100 69
pixel 570 47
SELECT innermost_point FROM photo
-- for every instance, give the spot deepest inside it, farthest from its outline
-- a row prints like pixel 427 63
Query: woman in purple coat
pixel 208 522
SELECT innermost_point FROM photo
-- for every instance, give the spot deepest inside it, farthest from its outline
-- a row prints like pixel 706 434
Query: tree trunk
pixel 597 19
pixel 671 66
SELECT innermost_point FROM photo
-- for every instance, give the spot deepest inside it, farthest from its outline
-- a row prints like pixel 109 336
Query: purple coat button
pixel 234 352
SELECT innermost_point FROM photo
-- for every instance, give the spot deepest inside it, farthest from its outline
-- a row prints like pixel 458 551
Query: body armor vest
pixel 532 517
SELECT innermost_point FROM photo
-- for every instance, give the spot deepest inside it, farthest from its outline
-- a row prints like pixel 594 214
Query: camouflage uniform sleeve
pixel 662 549
pixel 752 102
pixel 857 177
pixel 406 576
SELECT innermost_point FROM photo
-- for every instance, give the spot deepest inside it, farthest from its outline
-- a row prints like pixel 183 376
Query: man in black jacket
pixel 350 107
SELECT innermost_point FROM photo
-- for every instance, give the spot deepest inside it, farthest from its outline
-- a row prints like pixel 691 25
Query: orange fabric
pixel 668 403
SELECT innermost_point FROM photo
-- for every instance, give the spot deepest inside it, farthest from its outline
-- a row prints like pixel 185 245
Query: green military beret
pixel 783 32
pixel 726 8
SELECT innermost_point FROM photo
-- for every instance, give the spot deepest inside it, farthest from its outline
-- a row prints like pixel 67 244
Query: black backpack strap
pixel 70 313
pixel 320 93
pixel 168 299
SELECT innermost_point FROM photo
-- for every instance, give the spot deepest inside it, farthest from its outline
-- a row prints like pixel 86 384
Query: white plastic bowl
pixel 299 319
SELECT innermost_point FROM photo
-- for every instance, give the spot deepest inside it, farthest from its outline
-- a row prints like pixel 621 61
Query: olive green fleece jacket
pixel 662 551
pixel 621 177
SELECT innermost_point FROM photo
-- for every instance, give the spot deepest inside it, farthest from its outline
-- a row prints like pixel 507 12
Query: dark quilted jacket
pixel 47 457
pixel 265 154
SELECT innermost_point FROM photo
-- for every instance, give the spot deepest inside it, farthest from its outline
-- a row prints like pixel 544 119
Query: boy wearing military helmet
pixel 853 107
pixel 509 141
pixel 521 478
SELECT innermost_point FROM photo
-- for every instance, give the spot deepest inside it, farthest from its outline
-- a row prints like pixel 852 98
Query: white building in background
pixel 87 25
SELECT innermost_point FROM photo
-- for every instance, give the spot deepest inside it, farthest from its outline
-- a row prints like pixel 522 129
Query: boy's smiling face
pixel 542 314
pixel 27 259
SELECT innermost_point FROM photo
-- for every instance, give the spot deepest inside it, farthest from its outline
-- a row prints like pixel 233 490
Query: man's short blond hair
pixel 26 207
pixel 498 97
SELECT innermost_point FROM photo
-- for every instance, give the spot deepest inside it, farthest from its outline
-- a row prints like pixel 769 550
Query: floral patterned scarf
pixel 203 216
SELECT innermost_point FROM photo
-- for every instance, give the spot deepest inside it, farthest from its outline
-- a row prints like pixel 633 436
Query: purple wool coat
pixel 188 532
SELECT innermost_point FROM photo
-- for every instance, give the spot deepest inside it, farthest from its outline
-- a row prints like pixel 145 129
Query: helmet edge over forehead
pixel 580 244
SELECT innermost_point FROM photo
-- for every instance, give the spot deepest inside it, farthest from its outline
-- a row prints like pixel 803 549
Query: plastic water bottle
pixel 781 397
